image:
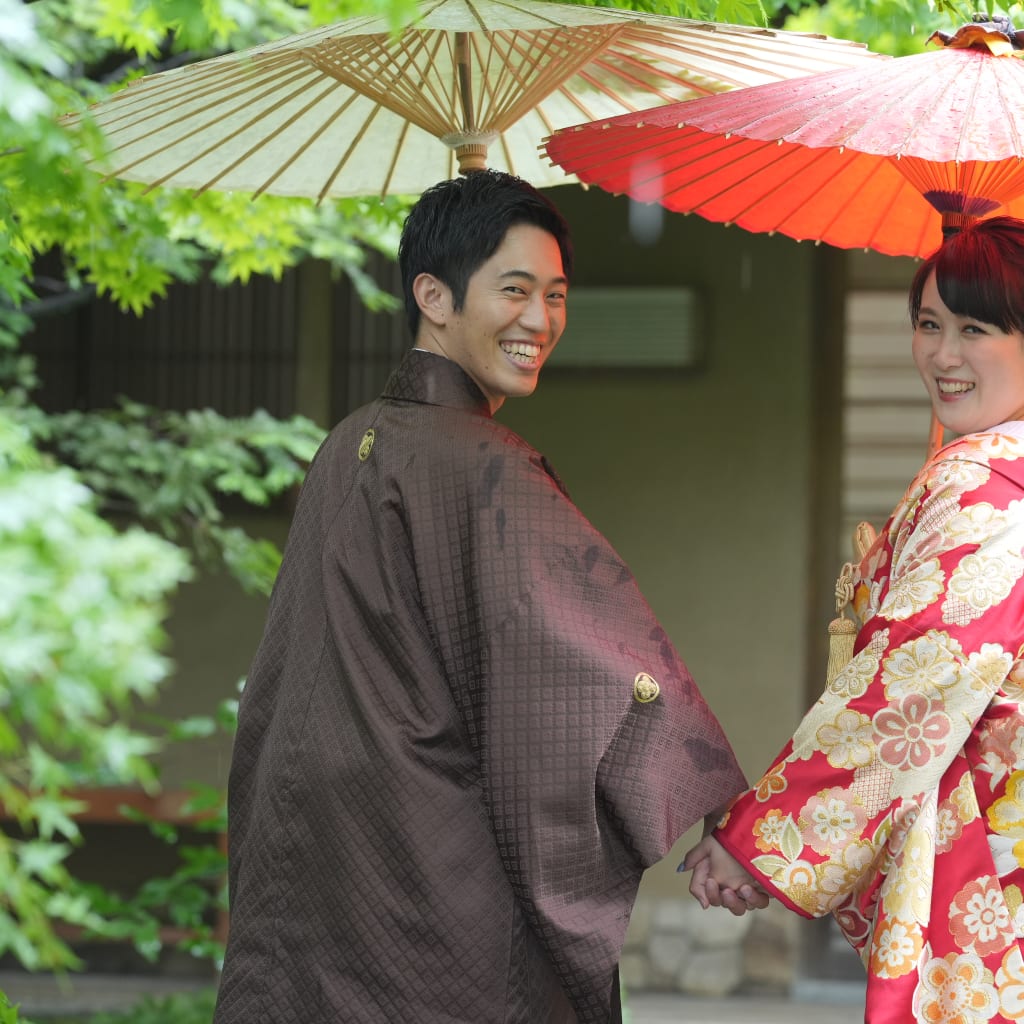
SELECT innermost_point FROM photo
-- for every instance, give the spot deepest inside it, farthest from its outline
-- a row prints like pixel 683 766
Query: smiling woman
pixel 969 347
pixel 896 806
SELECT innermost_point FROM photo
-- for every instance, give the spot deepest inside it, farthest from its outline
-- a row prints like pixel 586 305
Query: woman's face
pixel 973 371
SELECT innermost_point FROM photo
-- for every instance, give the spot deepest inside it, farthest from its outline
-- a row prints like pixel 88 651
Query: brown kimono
pixel 463 738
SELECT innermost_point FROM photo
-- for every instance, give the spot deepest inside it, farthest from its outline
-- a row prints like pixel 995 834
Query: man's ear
pixel 433 297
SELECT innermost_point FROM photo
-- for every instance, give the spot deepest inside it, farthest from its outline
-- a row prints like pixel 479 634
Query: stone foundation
pixel 675 946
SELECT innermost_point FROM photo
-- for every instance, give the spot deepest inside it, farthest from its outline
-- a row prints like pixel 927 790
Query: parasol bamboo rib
pixel 244 98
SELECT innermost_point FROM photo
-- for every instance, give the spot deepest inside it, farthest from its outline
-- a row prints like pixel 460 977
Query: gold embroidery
pixel 366 445
pixel 1013 900
pixel 645 688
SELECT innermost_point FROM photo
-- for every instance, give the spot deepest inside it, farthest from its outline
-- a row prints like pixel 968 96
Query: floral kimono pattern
pixel 898 806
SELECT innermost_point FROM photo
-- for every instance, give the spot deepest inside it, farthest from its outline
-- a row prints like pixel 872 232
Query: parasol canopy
pixel 878 157
pixel 356 109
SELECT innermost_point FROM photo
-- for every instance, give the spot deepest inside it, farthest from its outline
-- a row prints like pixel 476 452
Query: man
pixel 464 736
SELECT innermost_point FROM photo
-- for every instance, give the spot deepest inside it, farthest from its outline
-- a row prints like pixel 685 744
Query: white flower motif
pixel 965 799
pixel 848 740
pixel 973 525
pixel 770 830
pixel 799 881
pixel 895 949
pixel 913 592
pixel 955 990
pixel 926 665
pixel 855 677
pixel 1007 854
pixel 979 582
pixel 843 873
pixel 979 919
pixel 961 472
pixel 999 446
pixel 987 668
pixel 1010 984
pixel 831 819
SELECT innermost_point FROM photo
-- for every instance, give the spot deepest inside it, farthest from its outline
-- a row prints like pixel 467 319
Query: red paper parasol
pixel 878 157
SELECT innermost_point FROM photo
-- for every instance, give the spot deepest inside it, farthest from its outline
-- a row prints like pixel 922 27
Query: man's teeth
pixel 954 387
pixel 521 351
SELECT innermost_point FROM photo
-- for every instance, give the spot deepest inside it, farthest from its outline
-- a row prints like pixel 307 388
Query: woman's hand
pixel 719 880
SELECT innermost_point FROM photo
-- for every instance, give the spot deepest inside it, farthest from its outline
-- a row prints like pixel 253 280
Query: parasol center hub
pixel 470 149
pixel 954 222
pixel 958 210
pixel 471 157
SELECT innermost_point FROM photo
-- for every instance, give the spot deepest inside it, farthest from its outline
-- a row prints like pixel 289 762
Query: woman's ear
pixel 433 297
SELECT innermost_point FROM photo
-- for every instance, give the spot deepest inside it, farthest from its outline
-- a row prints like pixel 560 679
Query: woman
pixel 898 806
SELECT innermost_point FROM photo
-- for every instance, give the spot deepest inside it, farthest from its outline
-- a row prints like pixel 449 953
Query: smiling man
pixel 464 735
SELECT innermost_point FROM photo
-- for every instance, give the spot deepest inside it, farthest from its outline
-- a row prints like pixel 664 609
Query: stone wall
pixel 675 946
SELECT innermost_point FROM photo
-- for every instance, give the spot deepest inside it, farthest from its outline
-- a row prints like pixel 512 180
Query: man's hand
pixel 719 880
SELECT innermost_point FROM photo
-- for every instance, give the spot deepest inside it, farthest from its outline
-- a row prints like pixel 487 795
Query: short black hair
pixel 457 225
pixel 979 272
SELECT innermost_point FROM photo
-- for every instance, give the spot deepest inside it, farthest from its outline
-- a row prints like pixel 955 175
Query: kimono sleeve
pixel 596 748
pixel 827 819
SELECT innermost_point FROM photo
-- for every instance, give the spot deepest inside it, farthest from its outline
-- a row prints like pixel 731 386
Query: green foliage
pixel 129 242
pixel 81 604
pixel 191 897
pixel 188 1008
pixel 81 612
pixel 896 27
pixel 172 471
pixel 736 12
pixel 8 1013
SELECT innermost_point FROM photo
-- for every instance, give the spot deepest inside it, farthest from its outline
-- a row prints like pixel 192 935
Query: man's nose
pixel 537 315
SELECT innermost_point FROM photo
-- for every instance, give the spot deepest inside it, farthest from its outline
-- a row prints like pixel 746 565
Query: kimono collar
pixel 434 380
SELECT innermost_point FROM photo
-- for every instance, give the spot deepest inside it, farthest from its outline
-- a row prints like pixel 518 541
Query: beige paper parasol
pixel 356 109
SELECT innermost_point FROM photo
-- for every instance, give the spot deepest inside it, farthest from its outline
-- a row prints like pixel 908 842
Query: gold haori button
pixel 366 445
pixel 645 688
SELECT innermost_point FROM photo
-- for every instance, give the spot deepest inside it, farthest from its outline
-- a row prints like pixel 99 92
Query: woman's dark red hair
pixel 979 273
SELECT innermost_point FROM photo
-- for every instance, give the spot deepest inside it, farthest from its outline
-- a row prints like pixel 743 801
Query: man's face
pixel 512 317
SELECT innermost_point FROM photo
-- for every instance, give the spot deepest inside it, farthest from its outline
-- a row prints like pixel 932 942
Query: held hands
pixel 719 880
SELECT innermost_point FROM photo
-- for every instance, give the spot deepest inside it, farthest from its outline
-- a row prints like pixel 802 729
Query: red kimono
pixel 463 738
pixel 898 806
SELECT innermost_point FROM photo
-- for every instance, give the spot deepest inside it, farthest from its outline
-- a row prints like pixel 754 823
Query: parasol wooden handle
pixel 936 436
